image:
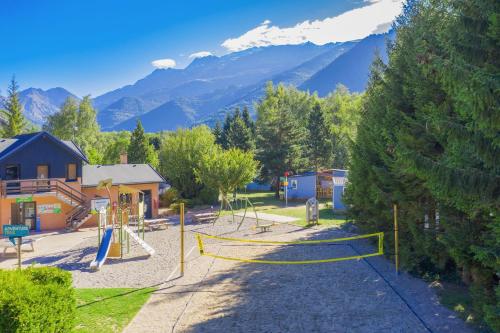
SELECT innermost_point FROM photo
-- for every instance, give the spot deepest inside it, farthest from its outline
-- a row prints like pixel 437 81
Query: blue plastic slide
pixel 103 250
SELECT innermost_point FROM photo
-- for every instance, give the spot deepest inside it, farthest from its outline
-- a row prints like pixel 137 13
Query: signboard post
pixel 286 188
pixel 18 231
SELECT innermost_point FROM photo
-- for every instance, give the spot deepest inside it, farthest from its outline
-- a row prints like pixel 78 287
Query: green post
pixel 99 232
pixel 142 218
pixel 121 234
pixel 19 242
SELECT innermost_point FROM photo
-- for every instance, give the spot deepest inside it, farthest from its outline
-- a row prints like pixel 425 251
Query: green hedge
pixel 36 300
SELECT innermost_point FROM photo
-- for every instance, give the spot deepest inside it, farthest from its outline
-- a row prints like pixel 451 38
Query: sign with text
pixel 49 208
pixel 24 199
pixel 97 204
pixel 15 230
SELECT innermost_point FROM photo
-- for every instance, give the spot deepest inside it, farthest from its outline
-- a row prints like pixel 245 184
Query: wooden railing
pixel 37 186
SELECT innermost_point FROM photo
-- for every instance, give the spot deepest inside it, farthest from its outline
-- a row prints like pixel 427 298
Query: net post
pixel 396 238
pixel 181 206
pixel 200 244
pixel 381 243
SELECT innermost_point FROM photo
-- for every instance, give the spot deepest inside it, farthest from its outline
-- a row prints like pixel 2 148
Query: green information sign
pixel 15 230
pixel 24 199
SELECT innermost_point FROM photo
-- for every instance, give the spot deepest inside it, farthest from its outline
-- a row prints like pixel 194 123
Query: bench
pixel 205 217
pixel 265 227
pixel 157 224
pixel 152 224
pixel 30 242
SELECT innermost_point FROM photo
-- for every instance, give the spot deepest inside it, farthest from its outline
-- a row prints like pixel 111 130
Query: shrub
pixel 208 196
pixel 169 197
pixel 36 300
pixel 176 207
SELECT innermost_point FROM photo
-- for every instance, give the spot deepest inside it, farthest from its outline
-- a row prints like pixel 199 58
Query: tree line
pixel 428 141
pixel 294 131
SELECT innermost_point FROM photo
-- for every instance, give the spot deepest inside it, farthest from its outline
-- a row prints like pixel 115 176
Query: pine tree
pixel 279 134
pixel 318 141
pixel 139 146
pixel 217 132
pixel 13 113
pixel 428 141
pixel 248 120
pixel 239 135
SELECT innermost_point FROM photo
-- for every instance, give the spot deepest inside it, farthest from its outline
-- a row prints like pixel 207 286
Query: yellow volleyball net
pixel 347 241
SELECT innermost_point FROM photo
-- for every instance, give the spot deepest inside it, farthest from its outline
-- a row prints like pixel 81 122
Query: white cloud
pixel 163 63
pixel 351 25
pixel 200 54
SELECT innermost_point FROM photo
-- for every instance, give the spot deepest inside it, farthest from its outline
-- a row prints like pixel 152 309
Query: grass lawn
pixel 108 309
pixel 266 202
pixel 326 215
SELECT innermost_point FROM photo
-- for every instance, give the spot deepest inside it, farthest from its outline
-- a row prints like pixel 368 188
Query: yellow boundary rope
pixel 380 251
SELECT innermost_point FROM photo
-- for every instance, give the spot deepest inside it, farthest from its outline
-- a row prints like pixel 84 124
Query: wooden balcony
pixel 51 186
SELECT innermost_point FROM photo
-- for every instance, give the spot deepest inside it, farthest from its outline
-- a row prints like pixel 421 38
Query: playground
pixel 230 292
pixel 221 295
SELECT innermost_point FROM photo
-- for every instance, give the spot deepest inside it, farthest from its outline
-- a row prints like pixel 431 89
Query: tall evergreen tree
pixel 236 132
pixel 13 113
pixel 139 145
pixel 245 115
pixel 218 134
pixel 318 141
pixel 429 142
pixel 279 134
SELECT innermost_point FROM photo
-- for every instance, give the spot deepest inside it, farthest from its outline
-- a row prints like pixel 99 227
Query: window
pixel 71 175
pixel 294 184
pixel 12 172
pixel 42 171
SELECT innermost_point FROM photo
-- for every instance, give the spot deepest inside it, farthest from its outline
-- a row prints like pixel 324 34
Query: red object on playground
pixel 286 173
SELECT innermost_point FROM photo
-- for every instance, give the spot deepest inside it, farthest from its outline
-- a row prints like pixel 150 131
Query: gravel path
pixel 352 296
pixel 218 295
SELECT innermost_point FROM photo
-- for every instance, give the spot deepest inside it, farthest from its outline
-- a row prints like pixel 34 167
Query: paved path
pixel 46 244
pixel 351 296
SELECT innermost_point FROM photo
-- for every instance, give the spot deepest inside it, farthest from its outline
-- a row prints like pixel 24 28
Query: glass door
pixel 29 214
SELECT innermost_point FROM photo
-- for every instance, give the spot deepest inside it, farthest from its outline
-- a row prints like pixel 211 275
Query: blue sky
pixel 91 47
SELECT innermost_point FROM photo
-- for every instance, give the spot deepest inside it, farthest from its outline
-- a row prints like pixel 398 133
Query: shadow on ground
pixel 346 296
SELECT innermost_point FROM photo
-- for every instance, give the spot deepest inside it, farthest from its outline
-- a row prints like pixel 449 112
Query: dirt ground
pixel 216 295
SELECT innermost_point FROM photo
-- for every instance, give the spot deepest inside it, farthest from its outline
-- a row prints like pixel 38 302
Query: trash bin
pixel 38 224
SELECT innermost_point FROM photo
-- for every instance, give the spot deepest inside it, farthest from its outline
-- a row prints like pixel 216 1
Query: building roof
pixel 11 145
pixel 120 174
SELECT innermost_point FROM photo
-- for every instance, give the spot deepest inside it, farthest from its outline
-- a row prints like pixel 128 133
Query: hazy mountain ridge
pixel 211 74
pixel 210 86
pixel 38 104
pixel 351 69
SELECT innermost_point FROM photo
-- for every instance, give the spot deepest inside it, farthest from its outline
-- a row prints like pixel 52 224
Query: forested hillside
pixel 429 142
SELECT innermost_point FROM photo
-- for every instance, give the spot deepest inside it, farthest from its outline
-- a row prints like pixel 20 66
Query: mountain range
pixel 210 86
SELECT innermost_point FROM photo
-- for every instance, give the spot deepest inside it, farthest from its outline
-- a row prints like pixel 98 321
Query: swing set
pixel 236 203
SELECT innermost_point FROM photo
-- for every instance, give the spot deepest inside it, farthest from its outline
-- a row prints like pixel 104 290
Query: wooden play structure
pixel 116 223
